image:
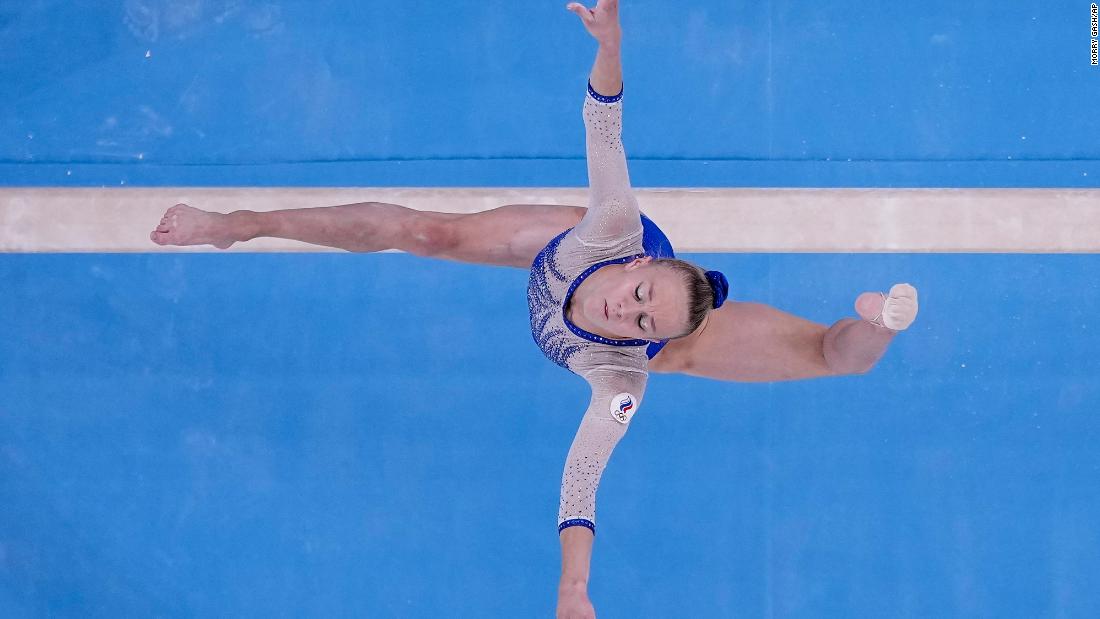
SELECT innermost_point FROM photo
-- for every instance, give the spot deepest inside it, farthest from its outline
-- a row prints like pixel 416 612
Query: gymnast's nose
pixel 628 312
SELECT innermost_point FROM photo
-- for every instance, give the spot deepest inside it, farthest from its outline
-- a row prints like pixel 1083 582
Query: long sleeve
pixel 616 396
pixel 613 214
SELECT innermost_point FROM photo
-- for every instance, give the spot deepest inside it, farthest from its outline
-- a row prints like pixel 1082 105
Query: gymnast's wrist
pixel 570 583
pixel 610 38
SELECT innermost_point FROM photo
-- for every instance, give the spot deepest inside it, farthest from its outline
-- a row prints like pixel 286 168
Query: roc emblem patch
pixel 622 407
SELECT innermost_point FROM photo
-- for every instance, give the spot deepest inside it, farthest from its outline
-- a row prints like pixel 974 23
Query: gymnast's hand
pixel 601 22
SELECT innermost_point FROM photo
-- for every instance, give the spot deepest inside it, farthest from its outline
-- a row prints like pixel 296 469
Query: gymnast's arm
pixel 612 209
pixel 615 398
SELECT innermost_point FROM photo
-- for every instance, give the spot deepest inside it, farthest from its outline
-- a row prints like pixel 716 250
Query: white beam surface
pixel 695 220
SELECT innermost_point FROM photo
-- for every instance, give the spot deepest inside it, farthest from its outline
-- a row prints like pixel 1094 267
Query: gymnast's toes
pixel 869 305
pixel 895 311
pixel 162 235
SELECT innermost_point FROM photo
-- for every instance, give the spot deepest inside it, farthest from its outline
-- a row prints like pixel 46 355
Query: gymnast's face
pixel 637 300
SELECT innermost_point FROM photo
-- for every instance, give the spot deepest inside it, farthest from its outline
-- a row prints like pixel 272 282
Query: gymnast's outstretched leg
pixel 510 235
pixel 754 342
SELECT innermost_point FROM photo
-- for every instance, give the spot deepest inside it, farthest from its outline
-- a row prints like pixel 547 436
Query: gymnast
pixel 608 299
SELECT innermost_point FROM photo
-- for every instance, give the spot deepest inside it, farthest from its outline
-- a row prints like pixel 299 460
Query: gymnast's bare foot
pixel 187 225
pixel 895 311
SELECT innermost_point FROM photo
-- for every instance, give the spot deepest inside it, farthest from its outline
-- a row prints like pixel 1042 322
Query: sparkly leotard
pixel 610 233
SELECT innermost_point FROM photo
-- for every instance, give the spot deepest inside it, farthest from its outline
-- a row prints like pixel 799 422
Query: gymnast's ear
pixel 638 262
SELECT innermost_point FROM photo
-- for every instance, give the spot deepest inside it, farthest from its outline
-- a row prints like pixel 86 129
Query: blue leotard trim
pixel 577 522
pixel 603 98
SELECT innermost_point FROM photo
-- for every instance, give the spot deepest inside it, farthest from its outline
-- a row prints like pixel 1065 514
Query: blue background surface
pixel 376 435
pixel 344 435
pixel 488 93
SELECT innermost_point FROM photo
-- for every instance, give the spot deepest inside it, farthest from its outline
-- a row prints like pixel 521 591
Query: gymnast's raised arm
pixel 613 215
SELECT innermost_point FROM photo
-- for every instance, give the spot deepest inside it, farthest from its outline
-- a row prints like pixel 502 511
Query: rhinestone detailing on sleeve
pixel 597 436
pixel 613 214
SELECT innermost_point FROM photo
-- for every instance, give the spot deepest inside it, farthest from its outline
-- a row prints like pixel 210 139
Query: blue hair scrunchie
pixel 720 285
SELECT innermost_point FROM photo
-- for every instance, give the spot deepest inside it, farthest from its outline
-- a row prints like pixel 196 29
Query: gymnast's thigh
pixel 510 235
pixel 748 342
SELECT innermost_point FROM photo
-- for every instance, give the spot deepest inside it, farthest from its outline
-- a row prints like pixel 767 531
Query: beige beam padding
pixel 696 220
